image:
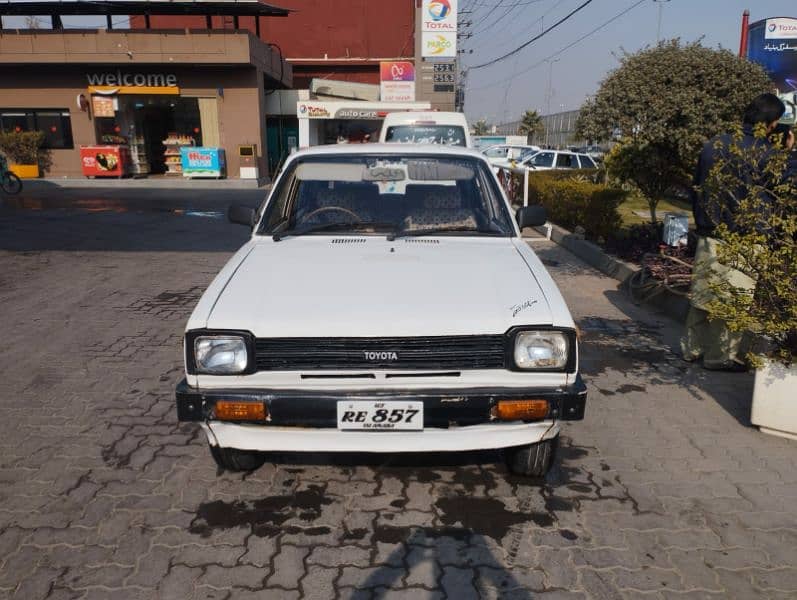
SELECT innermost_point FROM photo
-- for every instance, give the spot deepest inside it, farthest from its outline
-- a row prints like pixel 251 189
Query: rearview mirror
pixel 531 216
pixel 242 215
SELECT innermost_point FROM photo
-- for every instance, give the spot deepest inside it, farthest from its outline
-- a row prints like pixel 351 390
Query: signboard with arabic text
pixel 772 43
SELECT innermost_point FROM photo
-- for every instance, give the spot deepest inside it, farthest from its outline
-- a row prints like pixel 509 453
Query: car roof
pixel 441 117
pixel 398 149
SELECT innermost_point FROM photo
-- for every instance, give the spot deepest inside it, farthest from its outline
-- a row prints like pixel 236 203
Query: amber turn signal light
pixel 521 410
pixel 227 410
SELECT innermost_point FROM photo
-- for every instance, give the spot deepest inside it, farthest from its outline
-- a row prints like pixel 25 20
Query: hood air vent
pixel 348 240
pixel 420 241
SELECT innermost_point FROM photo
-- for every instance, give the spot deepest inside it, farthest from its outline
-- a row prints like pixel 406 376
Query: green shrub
pixel 22 148
pixel 575 202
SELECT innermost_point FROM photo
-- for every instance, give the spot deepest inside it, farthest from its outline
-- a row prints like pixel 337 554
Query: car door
pixel 566 160
pixel 542 160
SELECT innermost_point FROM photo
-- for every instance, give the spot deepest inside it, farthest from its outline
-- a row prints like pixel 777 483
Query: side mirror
pixel 242 215
pixel 531 216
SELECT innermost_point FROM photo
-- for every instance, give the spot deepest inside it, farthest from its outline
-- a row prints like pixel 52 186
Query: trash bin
pixel 676 228
pixel 247 155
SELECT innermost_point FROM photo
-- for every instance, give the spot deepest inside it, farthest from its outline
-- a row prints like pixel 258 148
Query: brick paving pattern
pixel 664 491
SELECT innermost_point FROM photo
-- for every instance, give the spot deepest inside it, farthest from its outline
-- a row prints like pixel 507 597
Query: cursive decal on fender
pixel 516 308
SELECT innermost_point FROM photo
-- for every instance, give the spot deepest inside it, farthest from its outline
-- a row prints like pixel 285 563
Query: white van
pixel 449 128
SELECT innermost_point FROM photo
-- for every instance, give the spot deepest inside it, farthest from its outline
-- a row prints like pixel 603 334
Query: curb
pixel 146 183
pixel 672 305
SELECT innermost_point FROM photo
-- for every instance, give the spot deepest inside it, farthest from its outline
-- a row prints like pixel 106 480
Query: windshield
pixel 451 135
pixel 386 195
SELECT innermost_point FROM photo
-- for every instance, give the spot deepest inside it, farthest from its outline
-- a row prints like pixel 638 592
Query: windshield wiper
pixel 434 230
pixel 329 227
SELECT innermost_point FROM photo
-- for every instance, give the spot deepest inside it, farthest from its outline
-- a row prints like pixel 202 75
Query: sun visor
pixel 326 171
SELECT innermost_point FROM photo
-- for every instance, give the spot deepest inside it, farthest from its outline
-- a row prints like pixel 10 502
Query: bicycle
pixel 9 182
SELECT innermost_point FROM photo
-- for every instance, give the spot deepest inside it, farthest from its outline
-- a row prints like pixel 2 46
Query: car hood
pixel 318 286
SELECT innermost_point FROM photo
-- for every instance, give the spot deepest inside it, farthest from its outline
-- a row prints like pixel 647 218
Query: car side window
pixel 496 152
pixel 543 159
pixel 586 162
pixel 566 161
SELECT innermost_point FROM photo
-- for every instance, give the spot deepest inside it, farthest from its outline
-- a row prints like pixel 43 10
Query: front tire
pixel 10 183
pixel 533 460
pixel 232 459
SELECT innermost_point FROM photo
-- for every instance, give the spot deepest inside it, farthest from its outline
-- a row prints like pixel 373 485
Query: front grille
pixel 423 353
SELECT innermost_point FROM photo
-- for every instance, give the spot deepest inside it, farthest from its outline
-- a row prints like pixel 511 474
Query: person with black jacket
pixel 710 339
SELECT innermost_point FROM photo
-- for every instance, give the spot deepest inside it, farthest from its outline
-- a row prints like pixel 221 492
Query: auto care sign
pixel 439 29
pixel 396 81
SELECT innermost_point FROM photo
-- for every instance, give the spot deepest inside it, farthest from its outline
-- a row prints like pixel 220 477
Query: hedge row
pixel 573 199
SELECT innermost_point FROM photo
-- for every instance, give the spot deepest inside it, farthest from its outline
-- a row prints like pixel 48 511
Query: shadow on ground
pixel 125 220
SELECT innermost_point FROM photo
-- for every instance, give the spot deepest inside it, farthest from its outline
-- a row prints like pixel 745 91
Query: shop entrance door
pixel 156 123
pixel 282 136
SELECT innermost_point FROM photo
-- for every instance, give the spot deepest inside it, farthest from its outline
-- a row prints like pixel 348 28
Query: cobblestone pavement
pixel 663 491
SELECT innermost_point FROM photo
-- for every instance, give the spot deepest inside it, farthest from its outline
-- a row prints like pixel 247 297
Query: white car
pixel 500 153
pixel 558 159
pixel 416 127
pixel 385 302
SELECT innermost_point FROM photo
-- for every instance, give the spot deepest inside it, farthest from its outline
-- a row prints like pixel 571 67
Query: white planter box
pixel 775 400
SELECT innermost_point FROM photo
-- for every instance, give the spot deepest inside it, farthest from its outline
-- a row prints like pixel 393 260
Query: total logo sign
pixel 440 15
pixel 780 29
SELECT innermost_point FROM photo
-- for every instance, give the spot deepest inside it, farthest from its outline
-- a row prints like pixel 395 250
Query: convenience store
pixel 142 102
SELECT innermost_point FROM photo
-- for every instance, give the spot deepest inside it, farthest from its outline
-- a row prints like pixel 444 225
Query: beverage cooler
pixel 202 161
pixel 105 161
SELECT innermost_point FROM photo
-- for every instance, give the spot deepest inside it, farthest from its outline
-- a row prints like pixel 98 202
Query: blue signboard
pixel 772 43
pixel 202 162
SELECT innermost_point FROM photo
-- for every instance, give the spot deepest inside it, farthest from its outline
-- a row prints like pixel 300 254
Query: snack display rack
pixel 138 155
pixel 172 158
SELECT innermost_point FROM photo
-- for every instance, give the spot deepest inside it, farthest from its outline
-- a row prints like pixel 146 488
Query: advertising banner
pixel 202 162
pixel 312 110
pixel 772 43
pixel 102 107
pixel 439 29
pixel 397 81
pixel 104 161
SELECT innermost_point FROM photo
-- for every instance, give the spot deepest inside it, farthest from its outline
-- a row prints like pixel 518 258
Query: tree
pixel 481 127
pixel 664 103
pixel 530 123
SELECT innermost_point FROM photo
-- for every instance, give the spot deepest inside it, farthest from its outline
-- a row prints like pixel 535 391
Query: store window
pixel 54 123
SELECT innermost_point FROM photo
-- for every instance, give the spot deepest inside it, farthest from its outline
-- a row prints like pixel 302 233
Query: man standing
pixel 719 347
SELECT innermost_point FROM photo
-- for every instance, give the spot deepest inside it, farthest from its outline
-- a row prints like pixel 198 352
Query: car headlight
pixel 541 350
pixel 220 354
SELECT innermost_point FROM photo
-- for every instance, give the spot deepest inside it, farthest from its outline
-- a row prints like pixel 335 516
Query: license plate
pixel 373 415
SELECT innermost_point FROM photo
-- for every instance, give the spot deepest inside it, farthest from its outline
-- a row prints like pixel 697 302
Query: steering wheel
pixel 338 208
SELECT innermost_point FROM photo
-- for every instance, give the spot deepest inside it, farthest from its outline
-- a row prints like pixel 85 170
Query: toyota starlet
pixel 385 302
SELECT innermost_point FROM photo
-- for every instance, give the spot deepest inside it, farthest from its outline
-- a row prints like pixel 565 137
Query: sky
pixel 501 92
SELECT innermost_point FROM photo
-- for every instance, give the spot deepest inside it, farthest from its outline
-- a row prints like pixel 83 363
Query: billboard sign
pixel 397 81
pixel 772 43
pixel 781 29
pixel 439 29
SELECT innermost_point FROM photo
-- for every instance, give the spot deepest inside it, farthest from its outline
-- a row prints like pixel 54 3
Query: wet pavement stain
pixel 485 516
pixel 355 534
pixel 567 534
pixel 264 516
pixel 388 534
pixel 630 387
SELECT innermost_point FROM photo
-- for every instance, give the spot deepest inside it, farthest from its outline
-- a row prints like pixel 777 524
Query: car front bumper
pixel 442 407
pixel 306 421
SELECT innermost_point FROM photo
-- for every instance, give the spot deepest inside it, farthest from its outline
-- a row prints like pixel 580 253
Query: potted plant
pixel 762 245
pixel 22 150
